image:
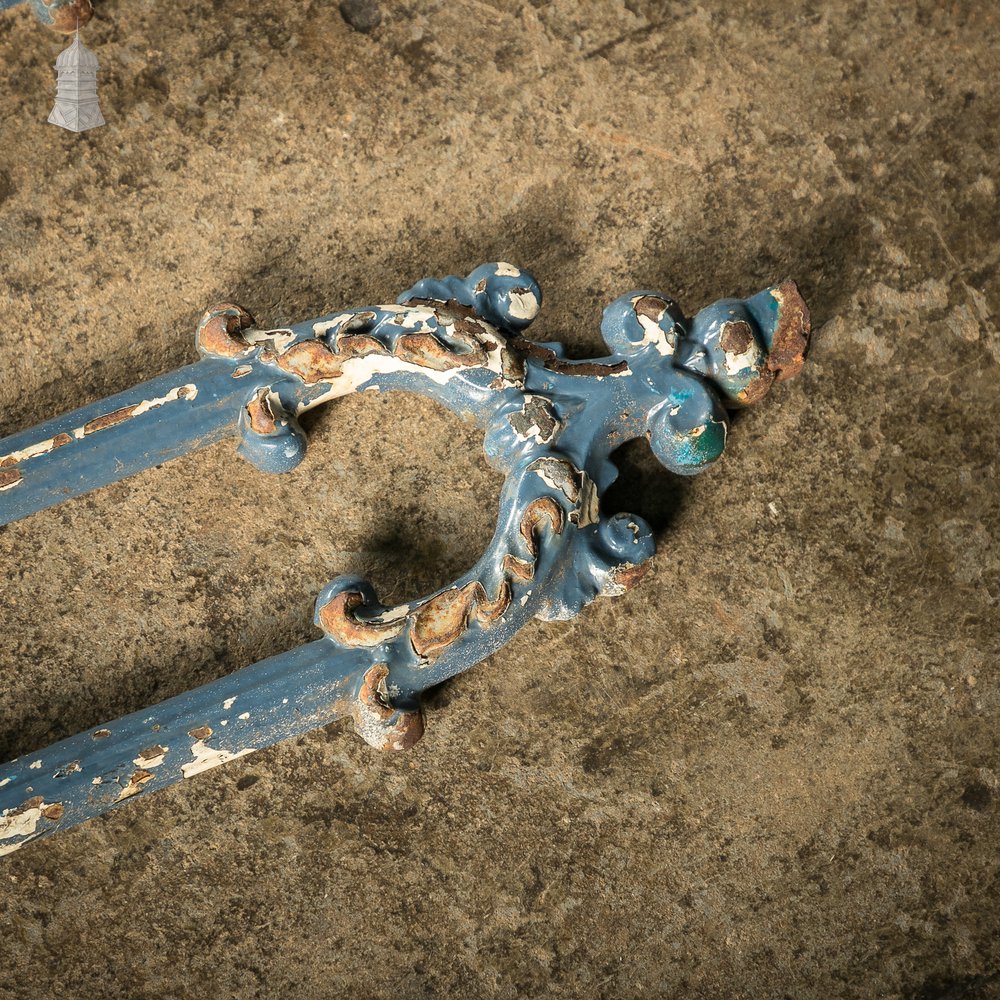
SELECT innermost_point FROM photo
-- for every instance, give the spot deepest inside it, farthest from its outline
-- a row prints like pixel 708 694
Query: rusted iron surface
pixel 550 425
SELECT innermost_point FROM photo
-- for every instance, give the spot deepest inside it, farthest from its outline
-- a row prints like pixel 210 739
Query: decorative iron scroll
pixel 550 423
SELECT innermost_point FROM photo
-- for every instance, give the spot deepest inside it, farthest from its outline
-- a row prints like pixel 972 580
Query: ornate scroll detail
pixel 550 424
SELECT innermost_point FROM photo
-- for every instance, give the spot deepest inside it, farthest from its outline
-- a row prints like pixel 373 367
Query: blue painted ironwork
pixel 550 426
pixel 62 15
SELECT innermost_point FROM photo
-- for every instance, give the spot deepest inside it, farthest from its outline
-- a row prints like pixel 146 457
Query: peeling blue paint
pixel 550 425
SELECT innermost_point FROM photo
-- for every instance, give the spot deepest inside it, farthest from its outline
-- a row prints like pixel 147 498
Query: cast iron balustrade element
pixel 550 426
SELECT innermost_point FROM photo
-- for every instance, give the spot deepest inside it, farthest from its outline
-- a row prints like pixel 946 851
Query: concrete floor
pixel 770 771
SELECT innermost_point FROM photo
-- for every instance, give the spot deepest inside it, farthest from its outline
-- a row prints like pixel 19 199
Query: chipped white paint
pixel 223 722
pixel 750 358
pixel 134 786
pixel 190 391
pixel 206 757
pixel 5 781
pixel 279 339
pixel 32 451
pixel 319 329
pixel 155 761
pixel 505 270
pixel 653 333
pixel 11 485
pixel 36 766
pixel 228 703
pixel 587 499
pixel 392 615
pixel 356 372
pixel 244 716
pixel 23 824
pixel 540 471
pixel 97 781
pixel 523 305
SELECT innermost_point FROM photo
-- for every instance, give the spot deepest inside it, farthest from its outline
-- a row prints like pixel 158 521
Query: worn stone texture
pixel 770 771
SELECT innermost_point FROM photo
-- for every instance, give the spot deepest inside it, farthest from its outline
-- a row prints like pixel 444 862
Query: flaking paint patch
pixel 206 757
pixel 34 450
pixel 523 304
pixel 135 783
pixel 103 422
pixel 151 756
pixel 653 334
pixel 24 823
pixel 228 703
pixel 9 478
pixel 279 339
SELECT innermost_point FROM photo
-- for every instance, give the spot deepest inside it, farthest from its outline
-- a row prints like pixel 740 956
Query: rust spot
pixel 9 478
pixel 338 621
pixel 373 714
pixel 151 753
pixel 444 618
pixel 108 419
pixel 791 337
pixel 537 413
pixel 352 344
pixel 201 733
pixel 554 363
pixel 628 575
pixel 102 734
pixel 61 439
pixel 261 413
pixel 488 612
pixel 32 803
pixel 68 16
pixel 652 307
pixel 520 569
pixel 451 307
pixel 427 351
pixel 538 511
pixel 220 331
pixel 757 388
pixel 511 366
pixel 54 812
pixel 312 361
pixel 469 339
pixel 135 783
pixel 735 337
pixel 561 475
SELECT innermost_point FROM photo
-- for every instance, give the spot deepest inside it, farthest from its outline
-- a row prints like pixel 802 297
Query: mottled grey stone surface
pixel 772 770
